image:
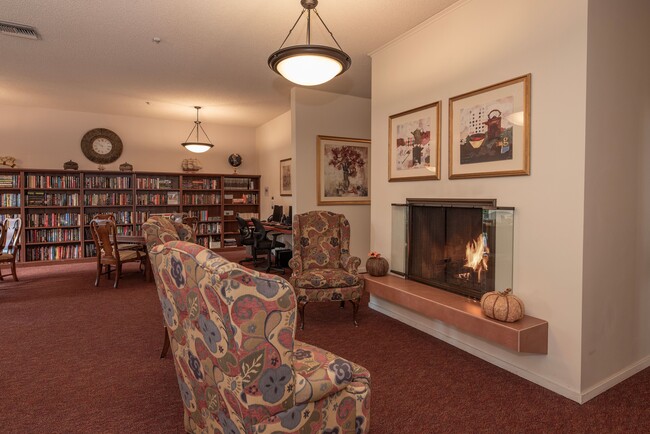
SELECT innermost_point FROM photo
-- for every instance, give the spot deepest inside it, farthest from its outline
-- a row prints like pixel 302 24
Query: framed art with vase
pixel 343 171
pixel 489 131
pixel 414 144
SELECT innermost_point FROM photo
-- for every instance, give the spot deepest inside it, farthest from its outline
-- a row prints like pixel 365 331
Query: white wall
pixel 45 139
pixel 471 45
pixel 317 113
pixel 273 142
pixel 616 306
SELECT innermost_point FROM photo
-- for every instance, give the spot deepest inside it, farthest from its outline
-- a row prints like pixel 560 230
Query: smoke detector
pixel 20 30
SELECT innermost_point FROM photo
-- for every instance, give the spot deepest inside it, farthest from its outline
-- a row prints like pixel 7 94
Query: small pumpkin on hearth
pixel 502 306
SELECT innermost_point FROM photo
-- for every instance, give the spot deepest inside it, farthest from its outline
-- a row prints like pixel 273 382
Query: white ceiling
pixel 99 55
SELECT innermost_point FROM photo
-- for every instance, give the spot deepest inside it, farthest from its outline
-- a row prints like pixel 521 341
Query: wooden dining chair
pixel 10 244
pixel 104 233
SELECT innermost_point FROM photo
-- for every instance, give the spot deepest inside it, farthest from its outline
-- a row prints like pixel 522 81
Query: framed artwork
pixel 173 198
pixel 343 167
pixel 489 131
pixel 285 177
pixel 414 144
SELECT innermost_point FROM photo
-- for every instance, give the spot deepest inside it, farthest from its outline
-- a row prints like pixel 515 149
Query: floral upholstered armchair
pixel 239 368
pixel 159 229
pixel 323 269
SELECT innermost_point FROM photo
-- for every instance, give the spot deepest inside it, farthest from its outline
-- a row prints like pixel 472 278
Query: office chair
pixel 246 239
pixel 262 243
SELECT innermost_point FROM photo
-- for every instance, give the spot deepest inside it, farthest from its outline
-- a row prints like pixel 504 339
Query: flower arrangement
pixel 374 254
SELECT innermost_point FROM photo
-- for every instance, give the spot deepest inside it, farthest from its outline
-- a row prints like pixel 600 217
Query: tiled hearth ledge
pixel 528 335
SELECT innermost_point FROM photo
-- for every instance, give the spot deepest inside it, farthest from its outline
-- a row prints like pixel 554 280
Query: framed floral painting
pixel 414 144
pixel 285 177
pixel 343 168
pixel 489 131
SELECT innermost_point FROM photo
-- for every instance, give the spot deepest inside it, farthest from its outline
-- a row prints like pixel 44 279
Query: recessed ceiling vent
pixel 19 30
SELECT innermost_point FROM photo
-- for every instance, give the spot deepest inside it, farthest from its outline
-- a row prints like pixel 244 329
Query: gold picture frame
pixel 285 177
pixel 414 144
pixel 343 169
pixel 489 131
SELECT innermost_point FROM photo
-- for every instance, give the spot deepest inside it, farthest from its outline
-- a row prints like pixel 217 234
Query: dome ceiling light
pixel 197 146
pixel 309 65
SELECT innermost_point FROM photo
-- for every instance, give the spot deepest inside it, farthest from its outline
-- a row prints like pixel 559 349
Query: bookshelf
pixel 57 206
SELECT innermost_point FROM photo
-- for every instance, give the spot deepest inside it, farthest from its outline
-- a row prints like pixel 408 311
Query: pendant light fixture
pixel 309 65
pixel 197 146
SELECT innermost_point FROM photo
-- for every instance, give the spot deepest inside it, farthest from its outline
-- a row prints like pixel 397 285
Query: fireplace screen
pixel 460 246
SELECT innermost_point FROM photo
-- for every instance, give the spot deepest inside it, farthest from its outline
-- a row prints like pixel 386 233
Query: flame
pixel 476 255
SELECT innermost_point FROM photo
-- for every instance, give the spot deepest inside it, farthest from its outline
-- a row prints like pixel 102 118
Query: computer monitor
pixel 277 213
pixel 289 221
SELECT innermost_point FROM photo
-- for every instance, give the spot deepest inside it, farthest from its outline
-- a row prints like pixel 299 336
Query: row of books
pixel 156 199
pixel 200 184
pixel 121 217
pixel 42 198
pixel 9 200
pixel 155 183
pixel 53 253
pixel 36 220
pixel 52 181
pixel 107 199
pixel 100 181
pixel 201 199
pixel 9 181
pixel 246 199
pixel 51 235
pixel 239 183
pixel 209 228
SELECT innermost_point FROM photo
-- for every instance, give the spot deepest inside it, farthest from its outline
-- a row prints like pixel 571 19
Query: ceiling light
pixel 197 146
pixel 309 65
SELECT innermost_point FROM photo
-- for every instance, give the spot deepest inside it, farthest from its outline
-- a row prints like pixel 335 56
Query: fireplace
pixel 459 245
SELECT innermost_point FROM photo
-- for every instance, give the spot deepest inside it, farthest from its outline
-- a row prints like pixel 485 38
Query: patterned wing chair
pixel 239 368
pixel 159 229
pixel 323 269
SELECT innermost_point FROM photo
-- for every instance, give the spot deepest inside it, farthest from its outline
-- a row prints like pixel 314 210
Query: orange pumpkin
pixel 502 306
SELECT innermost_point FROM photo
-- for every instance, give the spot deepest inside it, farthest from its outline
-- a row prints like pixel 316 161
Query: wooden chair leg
pixel 1 276
pixel 355 309
pixel 301 313
pixel 118 272
pixel 13 270
pixel 99 273
pixel 165 348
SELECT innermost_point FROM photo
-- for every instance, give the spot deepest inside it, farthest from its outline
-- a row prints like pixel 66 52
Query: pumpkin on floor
pixel 502 306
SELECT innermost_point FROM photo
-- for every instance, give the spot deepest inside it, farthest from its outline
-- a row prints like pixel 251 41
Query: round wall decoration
pixel 101 146
pixel 234 160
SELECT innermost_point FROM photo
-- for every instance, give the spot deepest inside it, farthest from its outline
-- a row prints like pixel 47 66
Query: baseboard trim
pixel 614 379
pixel 427 328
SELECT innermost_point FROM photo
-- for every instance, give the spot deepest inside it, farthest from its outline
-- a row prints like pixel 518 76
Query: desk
pixel 139 242
pixel 283 229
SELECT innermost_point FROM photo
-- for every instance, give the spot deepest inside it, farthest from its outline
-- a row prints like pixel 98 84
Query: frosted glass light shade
pixel 309 65
pixel 197 147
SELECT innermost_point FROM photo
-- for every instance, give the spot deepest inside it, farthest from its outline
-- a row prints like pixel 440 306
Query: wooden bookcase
pixel 57 205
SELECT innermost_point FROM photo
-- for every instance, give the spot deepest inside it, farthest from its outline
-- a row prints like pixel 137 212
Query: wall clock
pixel 101 146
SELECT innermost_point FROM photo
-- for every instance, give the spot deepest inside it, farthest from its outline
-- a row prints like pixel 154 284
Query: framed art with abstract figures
pixel 343 169
pixel 285 177
pixel 489 131
pixel 414 144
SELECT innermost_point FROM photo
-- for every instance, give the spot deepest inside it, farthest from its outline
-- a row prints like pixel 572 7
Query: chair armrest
pixel 295 263
pixel 350 263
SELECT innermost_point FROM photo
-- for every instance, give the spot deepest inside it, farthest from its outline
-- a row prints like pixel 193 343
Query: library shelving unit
pixel 57 205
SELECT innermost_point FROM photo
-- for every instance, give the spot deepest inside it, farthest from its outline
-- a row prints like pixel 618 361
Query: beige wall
pixel 616 305
pixel 273 142
pixel 46 138
pixel 471 45
pixel 322 113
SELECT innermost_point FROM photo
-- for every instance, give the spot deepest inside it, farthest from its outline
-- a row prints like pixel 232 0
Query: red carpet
pixel 80 359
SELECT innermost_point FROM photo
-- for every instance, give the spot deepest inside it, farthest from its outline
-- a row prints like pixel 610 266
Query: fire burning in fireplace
pixel 477 254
